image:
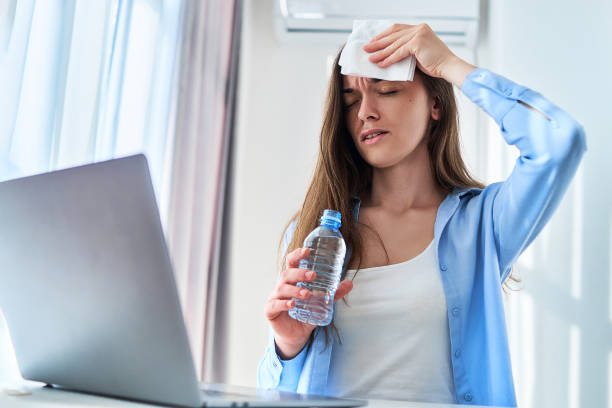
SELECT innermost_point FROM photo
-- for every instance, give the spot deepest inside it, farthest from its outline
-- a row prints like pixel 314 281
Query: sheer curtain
pixel 202 157
pixel 84 81
pixel 87 81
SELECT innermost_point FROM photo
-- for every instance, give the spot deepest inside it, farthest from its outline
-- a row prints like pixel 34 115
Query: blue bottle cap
pixel 332 217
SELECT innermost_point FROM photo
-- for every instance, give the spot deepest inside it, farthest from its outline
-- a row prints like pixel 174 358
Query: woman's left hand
pixel 433 57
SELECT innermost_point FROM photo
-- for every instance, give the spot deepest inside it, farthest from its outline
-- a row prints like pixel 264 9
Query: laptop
pixel 89 296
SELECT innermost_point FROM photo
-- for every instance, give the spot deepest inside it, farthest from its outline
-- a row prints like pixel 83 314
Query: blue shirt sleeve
pixel 551 148
pixel 275 373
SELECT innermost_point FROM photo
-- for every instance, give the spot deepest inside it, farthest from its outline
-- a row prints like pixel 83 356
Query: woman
pixel 425 321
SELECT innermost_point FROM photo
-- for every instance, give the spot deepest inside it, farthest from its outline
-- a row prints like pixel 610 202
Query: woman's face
pixel 401 110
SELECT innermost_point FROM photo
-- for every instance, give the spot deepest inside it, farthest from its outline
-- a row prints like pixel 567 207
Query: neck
pixel 405 185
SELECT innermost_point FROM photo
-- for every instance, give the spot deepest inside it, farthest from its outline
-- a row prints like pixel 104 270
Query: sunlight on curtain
pixel 85 81
pixel 89 81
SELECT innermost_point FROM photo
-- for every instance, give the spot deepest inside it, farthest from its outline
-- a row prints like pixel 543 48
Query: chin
pixel 382 163
pixel 383 159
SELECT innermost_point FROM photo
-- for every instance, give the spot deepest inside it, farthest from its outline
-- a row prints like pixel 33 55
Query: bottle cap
pixel 332 218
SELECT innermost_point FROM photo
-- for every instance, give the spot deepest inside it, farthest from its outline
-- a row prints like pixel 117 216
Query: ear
pixel 435 109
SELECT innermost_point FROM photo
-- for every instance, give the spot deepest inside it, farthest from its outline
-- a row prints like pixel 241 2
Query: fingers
pixel 383 42
pixel 391 29
pixel 399 54
pixel 290 291
pixel 391 34
pixel 295 275
pixel 343 289
pixel 281 299
pixel 383 54
pixel 293 258
pixel 397 50
pixel 392 46
pixel 275 307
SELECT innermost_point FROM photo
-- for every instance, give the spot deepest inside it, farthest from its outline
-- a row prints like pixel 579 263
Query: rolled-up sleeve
pixel 550 148
pixel 275 373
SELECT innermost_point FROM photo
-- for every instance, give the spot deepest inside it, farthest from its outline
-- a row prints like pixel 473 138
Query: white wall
pixel 559 324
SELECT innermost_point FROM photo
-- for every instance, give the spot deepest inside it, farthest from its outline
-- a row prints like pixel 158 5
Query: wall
pixel 560 323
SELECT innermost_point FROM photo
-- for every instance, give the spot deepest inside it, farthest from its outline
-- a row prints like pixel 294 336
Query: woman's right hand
pixel 292 335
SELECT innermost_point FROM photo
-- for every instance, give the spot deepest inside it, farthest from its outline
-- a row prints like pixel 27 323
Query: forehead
pixel 353 81
pixel 357 82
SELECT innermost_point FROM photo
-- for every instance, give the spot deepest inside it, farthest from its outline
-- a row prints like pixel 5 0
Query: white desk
pixel 38 397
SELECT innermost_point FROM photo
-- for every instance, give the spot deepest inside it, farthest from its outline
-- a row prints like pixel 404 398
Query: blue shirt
pixel 478 235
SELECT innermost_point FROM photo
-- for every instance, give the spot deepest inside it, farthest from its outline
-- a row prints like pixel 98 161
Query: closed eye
pixel 381 93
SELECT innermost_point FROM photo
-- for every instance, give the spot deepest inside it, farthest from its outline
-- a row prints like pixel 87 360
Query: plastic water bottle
pixel 327 249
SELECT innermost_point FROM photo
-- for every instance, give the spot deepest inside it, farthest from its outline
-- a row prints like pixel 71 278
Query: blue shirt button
pixel 443 267
pixel 455 311
pixel 467 396
pixel 458 353
pixel 508 92
pixel 274 364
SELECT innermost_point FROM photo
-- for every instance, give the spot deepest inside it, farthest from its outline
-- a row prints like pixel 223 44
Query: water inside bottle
pixel 326 258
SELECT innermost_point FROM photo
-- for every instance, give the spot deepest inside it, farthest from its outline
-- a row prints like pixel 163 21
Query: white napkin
pixel 354 60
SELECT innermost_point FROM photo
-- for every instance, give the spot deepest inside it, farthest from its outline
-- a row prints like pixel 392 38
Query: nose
pixel 367 109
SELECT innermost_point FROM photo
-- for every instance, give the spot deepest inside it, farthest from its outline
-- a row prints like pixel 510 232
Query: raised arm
pixel 551 145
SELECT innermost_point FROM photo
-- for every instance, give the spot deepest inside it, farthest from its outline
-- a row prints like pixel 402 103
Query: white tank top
pixel 394 332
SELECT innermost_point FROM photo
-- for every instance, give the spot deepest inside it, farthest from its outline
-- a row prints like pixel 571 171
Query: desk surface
pixel 34 395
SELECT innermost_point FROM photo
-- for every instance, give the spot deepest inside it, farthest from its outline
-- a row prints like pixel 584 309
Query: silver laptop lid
pixel 87 286
pixel 89 295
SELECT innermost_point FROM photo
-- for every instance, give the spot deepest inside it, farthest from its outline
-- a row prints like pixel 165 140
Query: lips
pixel 370 135
pixel 366 133
pixel 374 139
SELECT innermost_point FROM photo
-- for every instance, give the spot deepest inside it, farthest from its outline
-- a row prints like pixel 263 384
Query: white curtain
pixel 84 81
pixel 202 155
pixel 87 81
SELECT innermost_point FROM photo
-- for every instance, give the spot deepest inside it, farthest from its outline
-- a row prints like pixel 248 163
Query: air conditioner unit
pixel 330 21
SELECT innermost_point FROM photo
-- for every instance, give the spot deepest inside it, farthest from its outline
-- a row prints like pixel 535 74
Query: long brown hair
pixel 341 172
